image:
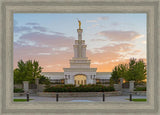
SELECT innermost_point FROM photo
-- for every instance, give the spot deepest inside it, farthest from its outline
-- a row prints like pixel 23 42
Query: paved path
pixel 81 99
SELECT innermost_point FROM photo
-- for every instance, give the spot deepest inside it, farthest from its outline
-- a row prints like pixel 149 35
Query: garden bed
pixel 81 88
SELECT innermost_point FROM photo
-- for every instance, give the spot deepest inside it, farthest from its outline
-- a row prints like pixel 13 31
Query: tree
pixel 122 70
pixel 36 69
pixel 114 76
pixel 131 71
pixel 118 72
pixel 27 71
pixel 137 70
pixel 141 70
pixel 44 80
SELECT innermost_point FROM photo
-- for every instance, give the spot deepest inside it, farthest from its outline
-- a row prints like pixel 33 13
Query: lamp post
pixel 103 97
pixel 130 96
pixel 27 96
pixel 57 95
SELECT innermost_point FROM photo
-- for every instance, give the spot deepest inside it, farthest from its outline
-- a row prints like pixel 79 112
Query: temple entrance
pixel 79 79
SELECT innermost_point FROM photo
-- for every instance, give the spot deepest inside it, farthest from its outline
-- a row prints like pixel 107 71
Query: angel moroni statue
pixel 79 24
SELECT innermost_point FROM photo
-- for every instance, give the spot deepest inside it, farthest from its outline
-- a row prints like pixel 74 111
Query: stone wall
pixel 79 94
pixel 83 94
pixel 41 87
pixel 18 86
pixel 139 93
pixel 19 94
pixel 126 92
pixel 117 87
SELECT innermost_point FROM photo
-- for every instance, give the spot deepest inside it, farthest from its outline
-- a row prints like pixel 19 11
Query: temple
pixel 79 72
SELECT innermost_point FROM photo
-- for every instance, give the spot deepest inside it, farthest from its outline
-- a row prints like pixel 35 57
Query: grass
pixel 139 100
pixel 21 100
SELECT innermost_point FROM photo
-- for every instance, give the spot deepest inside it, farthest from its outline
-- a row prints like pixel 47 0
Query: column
pixel 75 51
pixel 37 83
pixel 121 82
pixel 26 86
pixel 131 86
pixel 84 51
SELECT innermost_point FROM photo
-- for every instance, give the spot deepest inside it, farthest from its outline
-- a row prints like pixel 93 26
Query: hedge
pixel 16 90
pixel 81 88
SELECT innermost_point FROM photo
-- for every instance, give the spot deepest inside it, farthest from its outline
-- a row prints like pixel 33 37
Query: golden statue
pixel 79 24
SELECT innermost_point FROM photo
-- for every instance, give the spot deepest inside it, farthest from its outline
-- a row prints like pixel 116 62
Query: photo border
pixel 8 7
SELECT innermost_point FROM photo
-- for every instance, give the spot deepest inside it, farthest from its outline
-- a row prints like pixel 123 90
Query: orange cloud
pixel 54 52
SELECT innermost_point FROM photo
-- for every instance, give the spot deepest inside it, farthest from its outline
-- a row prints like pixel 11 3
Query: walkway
pixel 81 99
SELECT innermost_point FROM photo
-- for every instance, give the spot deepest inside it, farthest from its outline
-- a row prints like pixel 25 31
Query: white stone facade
pixel 79 66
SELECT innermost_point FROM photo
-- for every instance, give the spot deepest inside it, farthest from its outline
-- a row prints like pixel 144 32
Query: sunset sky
pixel 111 38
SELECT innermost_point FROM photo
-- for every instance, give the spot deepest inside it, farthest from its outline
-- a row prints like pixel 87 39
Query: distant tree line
pixel 134 70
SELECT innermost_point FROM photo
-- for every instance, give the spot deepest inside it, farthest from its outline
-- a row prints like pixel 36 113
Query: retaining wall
pixel 78 94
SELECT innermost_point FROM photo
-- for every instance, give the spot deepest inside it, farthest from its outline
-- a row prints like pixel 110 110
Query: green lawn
pixel 139 100
pixel 21 100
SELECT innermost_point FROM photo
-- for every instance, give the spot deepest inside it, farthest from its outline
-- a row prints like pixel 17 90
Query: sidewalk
pixel 81 99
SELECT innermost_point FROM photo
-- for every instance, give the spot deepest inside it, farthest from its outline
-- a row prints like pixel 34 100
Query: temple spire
pixel 79 31
pixel 79 24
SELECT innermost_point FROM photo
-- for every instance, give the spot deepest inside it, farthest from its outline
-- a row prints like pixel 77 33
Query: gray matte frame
pixel 150 7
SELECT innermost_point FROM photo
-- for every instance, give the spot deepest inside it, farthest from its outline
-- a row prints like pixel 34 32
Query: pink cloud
pixel 56 56
pixel 120 35
pixel 110 56
pixel 63 50
pixel 46 39
pixel 45 56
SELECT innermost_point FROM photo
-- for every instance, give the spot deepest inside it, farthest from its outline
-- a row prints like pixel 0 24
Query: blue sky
pixel 102 32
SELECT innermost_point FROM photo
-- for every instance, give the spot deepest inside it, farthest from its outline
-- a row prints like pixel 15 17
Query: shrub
pixel 81 88
pixel 140 89
pixel 17 90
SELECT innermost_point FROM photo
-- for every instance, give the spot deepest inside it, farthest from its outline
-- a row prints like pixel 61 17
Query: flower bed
pixel 81 88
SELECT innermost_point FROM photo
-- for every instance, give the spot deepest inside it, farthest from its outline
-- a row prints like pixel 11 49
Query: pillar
pixel 37 83
pixel 75 51
pixel 26 86
pixel 84 51
pixel 121 82
pixel 116 87
pixel 131 86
